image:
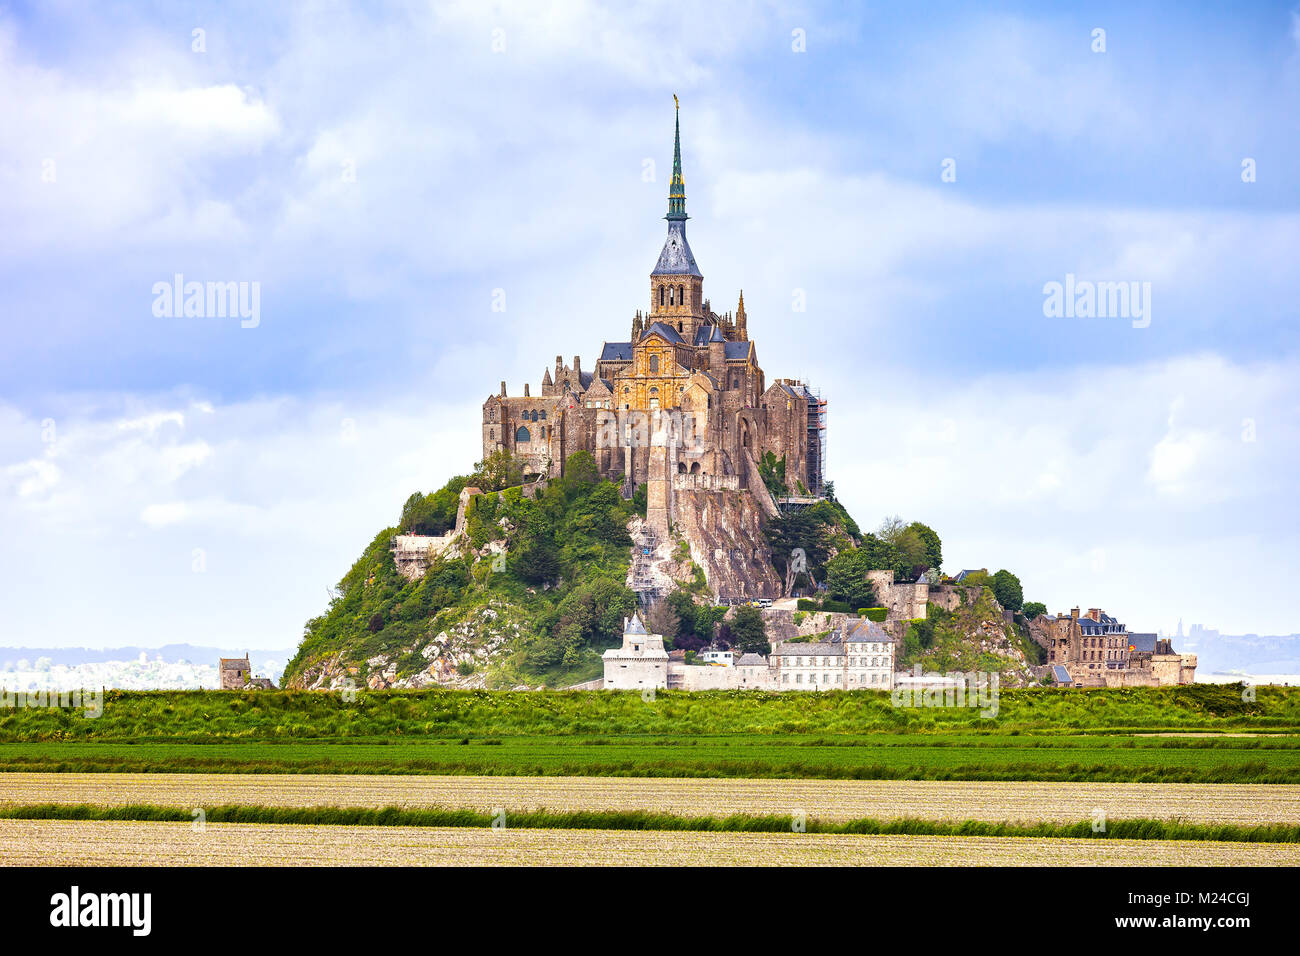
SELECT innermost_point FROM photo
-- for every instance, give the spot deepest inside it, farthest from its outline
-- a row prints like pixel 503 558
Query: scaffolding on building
pixel 816 440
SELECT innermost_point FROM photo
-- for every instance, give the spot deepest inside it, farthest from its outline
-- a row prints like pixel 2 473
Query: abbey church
pixel 682 397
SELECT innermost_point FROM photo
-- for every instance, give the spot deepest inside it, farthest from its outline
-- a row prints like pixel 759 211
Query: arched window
pixel 543 414
pixel 534 418
pixel 654 363
pixel 492 415
pixel 661 295
pixel 522 435
pixel 492 434
pixel 681 295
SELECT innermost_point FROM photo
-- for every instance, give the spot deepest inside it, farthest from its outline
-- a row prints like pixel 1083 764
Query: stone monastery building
pixel 686 380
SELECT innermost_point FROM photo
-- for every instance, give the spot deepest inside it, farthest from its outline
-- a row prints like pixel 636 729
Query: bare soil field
pixel 830 800
pixel 105 843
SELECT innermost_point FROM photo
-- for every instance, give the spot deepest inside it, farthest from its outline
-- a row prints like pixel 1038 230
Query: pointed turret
pixel 742 325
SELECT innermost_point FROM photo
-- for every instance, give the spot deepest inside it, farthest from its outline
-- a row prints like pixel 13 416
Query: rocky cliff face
pixel 725 532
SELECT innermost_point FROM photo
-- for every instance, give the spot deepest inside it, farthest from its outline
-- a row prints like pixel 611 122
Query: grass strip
pixel 1128 829
pixel 1252 772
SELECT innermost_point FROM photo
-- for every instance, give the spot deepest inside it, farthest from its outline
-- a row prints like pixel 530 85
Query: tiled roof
pixel 820 649
pixel 1143 643
pixel 752 660
pixel 616 352
pixel 667 331
pixel 737 350
pixel 865 630
pixel 676 258
pixel 1061 675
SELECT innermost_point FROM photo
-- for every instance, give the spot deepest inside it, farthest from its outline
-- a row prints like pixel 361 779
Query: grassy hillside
pixel 537 594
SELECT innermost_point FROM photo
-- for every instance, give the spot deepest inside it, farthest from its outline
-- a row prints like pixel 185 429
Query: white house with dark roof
pixel 862 658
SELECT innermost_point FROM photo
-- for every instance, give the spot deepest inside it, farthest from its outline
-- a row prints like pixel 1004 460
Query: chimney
pixel 525 389
pixel 1074 614
pixel 1094 613
pixel 577 365
pixel 503 388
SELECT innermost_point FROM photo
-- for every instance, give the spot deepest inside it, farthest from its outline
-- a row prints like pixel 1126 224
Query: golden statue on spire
pixel 675 103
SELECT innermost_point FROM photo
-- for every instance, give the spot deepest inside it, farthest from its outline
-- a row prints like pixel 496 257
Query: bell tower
pixel 676 284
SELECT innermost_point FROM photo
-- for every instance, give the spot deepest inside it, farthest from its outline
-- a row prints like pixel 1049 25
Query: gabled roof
pixel 1061 675
pixel 752 660
pixel 584 378
pixel 737 350
pixel 634 626
pixel 667 331
pixel 616 352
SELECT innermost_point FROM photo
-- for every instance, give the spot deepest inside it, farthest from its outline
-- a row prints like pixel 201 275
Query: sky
pixel 893 189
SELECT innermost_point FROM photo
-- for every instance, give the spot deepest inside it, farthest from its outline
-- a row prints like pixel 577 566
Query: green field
pixel 880 757
pixel 1038 735
pixel 278 715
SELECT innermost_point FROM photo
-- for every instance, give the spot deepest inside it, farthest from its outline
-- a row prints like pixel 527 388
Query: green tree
pixel 580 468
pixel 748 635
pixel 846 579
pixel 1006 588
pixel 497 471
pixel 930 542
pixel 772 471
pixel 536 562
pixel 1033 609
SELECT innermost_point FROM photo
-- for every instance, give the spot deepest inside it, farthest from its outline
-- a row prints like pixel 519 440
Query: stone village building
pixel 236 673
pixel 1096 650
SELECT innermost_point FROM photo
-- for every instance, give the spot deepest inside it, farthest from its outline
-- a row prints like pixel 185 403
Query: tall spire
pixel 677 188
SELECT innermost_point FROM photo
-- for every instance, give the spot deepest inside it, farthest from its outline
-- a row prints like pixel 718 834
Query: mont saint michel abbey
pixel 685 384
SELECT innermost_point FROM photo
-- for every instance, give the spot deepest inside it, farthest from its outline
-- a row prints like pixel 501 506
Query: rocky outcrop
pixel 725 532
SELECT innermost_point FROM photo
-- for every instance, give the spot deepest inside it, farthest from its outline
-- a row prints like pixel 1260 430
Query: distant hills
pixel 171 653
pixel 1251 653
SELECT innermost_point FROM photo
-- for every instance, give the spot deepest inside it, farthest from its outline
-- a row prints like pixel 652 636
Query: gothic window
pixel 534 418
pixel 492 434
pixel 681 295
pixel 671 296
pixel 661 295
pixel 654 363
pixel 543 414
pixel 522 435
